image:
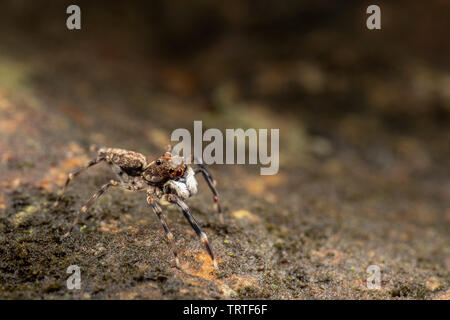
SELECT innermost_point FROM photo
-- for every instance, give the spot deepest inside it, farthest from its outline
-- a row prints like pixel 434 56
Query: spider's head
pixel 164 168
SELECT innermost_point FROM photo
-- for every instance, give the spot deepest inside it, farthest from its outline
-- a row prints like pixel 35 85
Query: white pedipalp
pixel 180 188
pixel 191 182
pixel 185 187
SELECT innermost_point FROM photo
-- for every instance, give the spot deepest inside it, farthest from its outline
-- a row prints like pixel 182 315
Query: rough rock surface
pixel 364 177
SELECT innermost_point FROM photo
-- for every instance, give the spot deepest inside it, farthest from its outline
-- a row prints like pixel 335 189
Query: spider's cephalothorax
pixel 167 178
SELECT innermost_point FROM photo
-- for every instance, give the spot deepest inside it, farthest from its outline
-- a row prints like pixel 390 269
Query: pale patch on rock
pixel 241 214
pixel 23 217
pixel 433 284
pixel 111 227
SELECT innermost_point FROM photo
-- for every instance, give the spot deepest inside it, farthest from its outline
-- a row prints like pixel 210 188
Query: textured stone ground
pixel 364 177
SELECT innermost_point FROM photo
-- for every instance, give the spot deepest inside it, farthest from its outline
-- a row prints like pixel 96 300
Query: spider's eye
pixel 158 162
pixel 171 170
pixel 179 172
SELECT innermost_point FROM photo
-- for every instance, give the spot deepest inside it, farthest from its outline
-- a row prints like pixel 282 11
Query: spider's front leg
pixel 151 200
pixel 91 201
pixel 212 185
pixel 194 224
pixel 73 174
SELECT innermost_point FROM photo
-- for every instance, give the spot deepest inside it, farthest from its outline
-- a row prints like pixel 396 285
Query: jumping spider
pixel 167 178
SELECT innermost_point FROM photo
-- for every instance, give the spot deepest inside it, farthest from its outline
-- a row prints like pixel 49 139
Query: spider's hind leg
pixel 73 174
pixel 212 185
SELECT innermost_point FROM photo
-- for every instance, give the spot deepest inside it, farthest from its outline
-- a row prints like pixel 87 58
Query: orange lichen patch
pixel 227 286
pixel 241 214
pixel 112 226
pixel 57 175
pixel 206 269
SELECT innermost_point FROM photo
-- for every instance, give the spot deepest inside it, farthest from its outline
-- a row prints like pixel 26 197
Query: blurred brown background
pixel 364 145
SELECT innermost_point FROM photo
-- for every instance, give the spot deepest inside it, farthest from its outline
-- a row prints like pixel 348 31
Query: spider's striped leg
pixel 91 201
pixel 73 174
pixel 194 224
pixel 157 210
pixel 212 185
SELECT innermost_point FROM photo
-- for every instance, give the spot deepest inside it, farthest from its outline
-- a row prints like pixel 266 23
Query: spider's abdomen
pixel 129 161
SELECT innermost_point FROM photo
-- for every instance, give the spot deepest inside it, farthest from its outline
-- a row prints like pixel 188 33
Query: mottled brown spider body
pixel 167 178
pixel 164 168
